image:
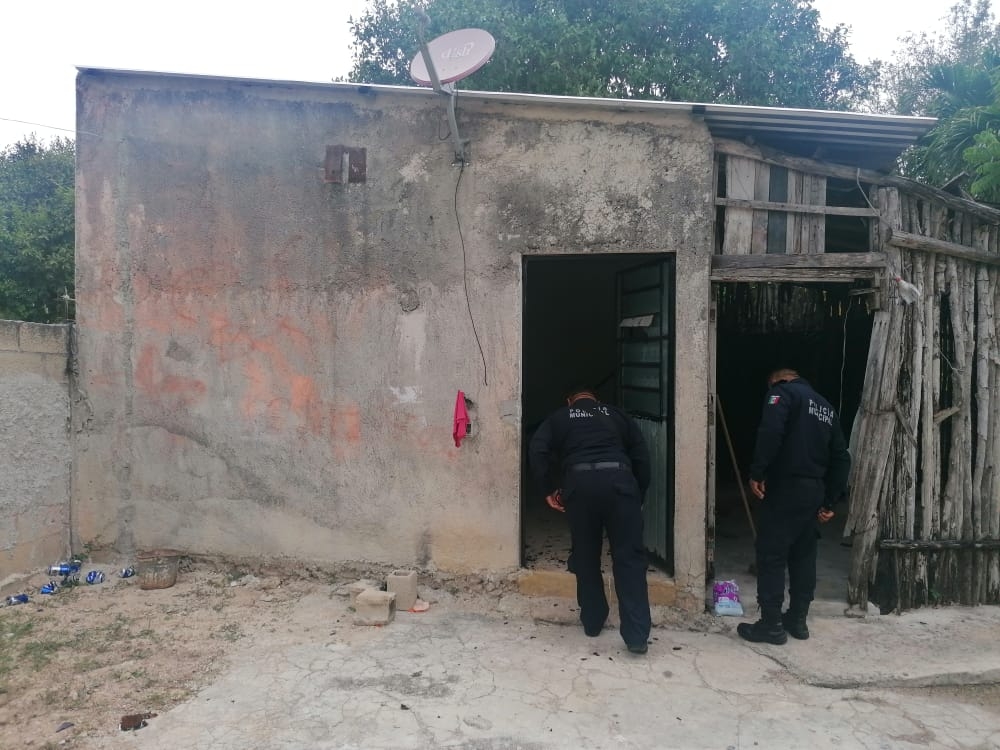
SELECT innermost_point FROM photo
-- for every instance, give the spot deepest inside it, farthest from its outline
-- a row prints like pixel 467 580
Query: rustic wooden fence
pixel 925 502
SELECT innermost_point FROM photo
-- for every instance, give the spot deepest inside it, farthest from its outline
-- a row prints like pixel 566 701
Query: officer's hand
pixel 824 515
pixel 757 488
pixel 555 501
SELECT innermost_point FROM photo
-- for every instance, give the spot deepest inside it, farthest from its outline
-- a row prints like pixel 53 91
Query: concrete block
pixel 374 607
pixel 403 583
pixel 9 335
pixel 357 587
pixel 44 338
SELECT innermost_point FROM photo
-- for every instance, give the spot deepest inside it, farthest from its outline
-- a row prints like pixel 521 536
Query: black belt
pixel 599 466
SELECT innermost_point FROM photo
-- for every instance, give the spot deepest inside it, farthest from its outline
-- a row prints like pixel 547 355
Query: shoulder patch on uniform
pixel 772 400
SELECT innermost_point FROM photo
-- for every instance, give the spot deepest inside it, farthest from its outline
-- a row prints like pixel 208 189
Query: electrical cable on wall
pixel 465 273
pixel 843 359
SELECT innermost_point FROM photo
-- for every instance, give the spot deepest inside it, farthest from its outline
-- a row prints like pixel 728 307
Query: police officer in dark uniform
pixel 800 469
pixel 599 453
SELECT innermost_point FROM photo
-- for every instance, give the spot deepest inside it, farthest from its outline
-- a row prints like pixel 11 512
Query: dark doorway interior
pixel 821 330
pixel 571 334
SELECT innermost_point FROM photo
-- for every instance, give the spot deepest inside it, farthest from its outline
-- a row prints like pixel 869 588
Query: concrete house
pixel 283 286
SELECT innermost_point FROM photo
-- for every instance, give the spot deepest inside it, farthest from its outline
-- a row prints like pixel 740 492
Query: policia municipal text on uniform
pixel 604 468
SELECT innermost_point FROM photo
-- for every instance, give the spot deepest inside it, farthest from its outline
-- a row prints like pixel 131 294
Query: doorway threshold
pixel 561 584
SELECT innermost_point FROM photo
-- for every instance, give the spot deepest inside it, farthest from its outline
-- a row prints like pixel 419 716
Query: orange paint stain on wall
pixel 166 313
pixel 306 403
pixel 295 335
pixel 345 423
pixel 270 368
pixel 345 431
pixel 155 385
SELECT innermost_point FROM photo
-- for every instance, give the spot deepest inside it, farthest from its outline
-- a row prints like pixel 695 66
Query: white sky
pixel 301 40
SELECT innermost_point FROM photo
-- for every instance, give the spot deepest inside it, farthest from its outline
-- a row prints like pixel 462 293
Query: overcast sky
pixel 300 40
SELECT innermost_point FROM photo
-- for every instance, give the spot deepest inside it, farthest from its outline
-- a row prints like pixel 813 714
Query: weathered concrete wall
pixel 35 459
pixel 270 362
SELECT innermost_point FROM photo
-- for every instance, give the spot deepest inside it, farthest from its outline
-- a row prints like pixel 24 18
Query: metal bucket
pixel 157 569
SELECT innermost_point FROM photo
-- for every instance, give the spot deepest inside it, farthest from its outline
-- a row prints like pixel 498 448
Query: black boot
pixel 767 629
pixel 794 621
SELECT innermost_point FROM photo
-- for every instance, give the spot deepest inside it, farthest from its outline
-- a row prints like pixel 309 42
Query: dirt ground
pixel 89 655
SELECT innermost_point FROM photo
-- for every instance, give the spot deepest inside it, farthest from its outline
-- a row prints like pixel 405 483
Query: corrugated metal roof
pixel 857 139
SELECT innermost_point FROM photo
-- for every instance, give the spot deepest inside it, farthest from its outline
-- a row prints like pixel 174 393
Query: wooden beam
pixel 834 267
pixel 792 275
pixel 843 172
pixel 941 247
pixel 858 261
pixel 934 545
pixel 797 208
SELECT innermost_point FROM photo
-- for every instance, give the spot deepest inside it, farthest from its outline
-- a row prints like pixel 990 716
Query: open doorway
pixel 605 320
pixel 821 330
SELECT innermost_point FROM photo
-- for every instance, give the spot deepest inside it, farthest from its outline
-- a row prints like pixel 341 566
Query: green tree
pixel 984 158
pixel 36 230
pixel 955 77
pixel 768 52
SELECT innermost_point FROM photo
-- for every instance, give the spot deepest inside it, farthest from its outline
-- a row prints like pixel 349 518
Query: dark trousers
pixel 599 501
pixel 787 532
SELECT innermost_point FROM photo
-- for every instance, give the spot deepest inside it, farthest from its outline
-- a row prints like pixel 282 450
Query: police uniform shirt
pixel 800 436
pixel 587 432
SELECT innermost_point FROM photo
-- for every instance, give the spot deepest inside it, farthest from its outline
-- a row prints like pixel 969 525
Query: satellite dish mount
pixel 446 60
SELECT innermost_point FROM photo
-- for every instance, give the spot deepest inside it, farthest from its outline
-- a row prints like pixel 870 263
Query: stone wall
pixel 35 459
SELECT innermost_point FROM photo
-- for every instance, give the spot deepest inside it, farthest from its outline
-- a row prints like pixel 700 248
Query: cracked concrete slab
pixel 948 646
pixel 455 678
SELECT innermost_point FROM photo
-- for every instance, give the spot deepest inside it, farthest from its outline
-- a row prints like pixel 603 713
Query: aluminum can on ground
pixel 64 569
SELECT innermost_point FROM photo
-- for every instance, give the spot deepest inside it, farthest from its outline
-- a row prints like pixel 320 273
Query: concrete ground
pixel 504 672
pixel 734 552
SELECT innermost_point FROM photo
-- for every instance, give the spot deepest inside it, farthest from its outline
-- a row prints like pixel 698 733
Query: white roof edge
pixel 621 105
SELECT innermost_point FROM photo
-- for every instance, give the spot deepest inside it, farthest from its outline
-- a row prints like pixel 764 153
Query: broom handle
pixel 736 468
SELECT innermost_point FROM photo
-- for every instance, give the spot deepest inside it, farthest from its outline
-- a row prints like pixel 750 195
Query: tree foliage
pixel 36 230
pixel 954 76
pixel 768 52
pixel 984 158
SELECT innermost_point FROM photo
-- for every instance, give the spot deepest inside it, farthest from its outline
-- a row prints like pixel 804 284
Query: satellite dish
pixel 453 56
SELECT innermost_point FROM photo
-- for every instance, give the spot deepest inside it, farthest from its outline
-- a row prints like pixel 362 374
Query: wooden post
pixel 740 183
pixel 984 349
pixel 794 236
pixel 761 192
pixel 929 432
pixel 876 431
pixel 991 488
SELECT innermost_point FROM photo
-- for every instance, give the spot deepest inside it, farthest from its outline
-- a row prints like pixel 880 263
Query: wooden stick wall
pixel 927 442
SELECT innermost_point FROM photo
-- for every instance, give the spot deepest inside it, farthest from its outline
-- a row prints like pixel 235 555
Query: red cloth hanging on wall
pixel 460 429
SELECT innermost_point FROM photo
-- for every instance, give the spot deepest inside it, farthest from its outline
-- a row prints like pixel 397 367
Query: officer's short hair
pixel 781 375
pixel 577 388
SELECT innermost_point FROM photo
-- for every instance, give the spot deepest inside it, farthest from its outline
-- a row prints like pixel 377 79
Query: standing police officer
pixel 800 469
pixel 602 458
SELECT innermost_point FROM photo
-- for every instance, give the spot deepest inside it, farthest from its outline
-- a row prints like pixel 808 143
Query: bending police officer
pixel 800 469
pixel 604 464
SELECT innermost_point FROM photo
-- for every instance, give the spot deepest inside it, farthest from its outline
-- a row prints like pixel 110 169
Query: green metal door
pixel 645 388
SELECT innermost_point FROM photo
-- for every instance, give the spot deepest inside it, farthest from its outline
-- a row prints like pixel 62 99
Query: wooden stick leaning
pixel 736 467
